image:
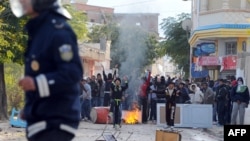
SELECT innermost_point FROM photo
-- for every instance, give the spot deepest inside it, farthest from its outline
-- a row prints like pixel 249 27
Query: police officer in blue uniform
pixel 52 71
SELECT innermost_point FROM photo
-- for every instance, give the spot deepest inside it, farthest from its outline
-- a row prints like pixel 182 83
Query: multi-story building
pixel 94 55
pixel 220 32
pixel 101 15
pixel 147 21
pixel 96 14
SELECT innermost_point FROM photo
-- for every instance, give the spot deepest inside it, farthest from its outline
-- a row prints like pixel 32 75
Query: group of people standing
pixel 232 97
pixel 228 97
pixel 107 91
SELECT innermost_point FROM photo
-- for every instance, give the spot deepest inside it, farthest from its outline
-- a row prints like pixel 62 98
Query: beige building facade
pixel 93 55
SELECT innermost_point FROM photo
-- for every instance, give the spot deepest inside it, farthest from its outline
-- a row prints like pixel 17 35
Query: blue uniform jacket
pixel 52 59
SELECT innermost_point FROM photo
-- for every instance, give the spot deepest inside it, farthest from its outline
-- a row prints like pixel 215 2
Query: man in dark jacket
pixel 117 96
pixel 95 94
pixel 170 104
pixel 229 103
pixel 182 94
pixel 160 86
pixel 108 84
pixel 53 71
pixel 240 99
pixel 222 100
pixel 101 84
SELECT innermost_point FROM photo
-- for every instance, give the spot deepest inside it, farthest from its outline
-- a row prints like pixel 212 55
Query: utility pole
pixel 187 25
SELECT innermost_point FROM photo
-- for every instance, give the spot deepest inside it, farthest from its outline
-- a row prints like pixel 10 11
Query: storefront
pixel 228 66
pixel 229 40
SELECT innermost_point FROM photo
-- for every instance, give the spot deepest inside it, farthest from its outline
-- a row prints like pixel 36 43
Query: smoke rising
pixel 132 45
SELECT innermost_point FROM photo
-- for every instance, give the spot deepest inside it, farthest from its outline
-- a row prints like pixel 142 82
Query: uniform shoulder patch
pixel 58 24
pixel 66 52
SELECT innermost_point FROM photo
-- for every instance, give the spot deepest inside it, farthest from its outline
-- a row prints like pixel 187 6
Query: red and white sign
pixel 209 61
pixel 229 62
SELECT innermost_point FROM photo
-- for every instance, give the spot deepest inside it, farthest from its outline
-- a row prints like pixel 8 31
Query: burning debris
pixel 102 115
pixel 133 116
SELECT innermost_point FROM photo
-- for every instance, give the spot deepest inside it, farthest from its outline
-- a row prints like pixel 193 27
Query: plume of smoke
pixel 132 44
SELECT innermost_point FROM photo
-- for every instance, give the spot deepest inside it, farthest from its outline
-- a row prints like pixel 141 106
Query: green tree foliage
pixel 153 51
pixel 13 73
pixel 78 23
pixel 107 31
pixel 176 44
pixel 12 43
pixel 12 38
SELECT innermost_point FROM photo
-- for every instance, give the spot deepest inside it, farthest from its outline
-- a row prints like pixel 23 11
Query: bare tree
pixel 3 96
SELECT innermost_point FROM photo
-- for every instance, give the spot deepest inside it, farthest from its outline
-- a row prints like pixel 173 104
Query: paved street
pixel 247 115
pixel 137 132
pixel 146 132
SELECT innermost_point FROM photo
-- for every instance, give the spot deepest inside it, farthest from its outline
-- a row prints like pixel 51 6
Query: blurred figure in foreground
pixel 53 71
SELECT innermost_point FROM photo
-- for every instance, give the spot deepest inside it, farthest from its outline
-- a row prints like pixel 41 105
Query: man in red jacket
pixel 143 95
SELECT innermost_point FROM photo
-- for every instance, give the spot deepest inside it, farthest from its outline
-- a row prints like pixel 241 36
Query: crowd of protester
pixel 228 97
pixel 103 90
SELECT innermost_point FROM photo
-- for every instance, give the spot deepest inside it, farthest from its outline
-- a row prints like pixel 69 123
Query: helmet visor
pixel 62 11
pixel 16 8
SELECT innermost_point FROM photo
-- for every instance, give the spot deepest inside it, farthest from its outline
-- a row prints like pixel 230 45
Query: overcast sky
pixel 166 8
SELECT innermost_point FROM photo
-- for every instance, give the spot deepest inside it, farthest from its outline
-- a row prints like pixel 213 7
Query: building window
pixel 231 48
pixel 92 20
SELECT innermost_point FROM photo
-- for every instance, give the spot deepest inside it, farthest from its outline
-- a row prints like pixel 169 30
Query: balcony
pixel 92 52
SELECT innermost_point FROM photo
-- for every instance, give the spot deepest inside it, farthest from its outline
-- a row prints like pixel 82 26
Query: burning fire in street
pixel 133 116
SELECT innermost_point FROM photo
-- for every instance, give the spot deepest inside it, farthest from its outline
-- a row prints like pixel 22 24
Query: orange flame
pixel 133 116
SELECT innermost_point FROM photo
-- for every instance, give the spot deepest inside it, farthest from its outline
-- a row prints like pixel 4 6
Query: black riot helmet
pixel 39 6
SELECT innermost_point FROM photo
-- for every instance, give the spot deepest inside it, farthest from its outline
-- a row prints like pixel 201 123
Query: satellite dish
pixel 186 24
